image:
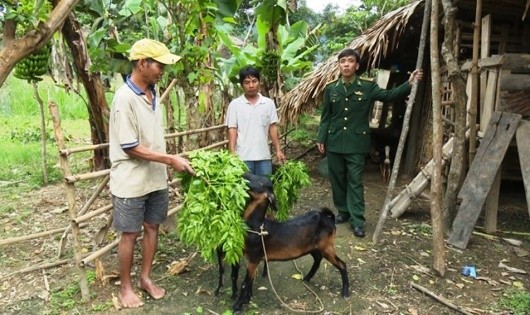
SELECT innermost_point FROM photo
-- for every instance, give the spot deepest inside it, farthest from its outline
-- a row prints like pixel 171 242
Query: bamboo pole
pixel 70 179
pixel 92 214
pixel 405 129
pixel 437 142
pixel 99 252
pixel 37 267
pixel 440 299
pixel 175 210
pixel 93 147
pixel 69 151
pixel 194 131
pixel 70 195
pixel 62 241
pixel 17 239
pixel 168 89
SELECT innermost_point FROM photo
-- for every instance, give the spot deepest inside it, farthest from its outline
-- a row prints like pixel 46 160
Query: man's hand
pixel 416 75
pixel 320 147
pixel 180 164
pixel 280 157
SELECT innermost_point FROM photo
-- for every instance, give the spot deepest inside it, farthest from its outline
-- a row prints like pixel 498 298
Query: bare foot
pixel 129 299
pixel 150 287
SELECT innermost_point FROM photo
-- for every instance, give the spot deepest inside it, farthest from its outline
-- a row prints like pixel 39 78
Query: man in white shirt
pixel 138 175
pixel 251 119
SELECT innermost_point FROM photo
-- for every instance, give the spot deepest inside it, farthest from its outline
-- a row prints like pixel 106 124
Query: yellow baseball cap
pixel 149 48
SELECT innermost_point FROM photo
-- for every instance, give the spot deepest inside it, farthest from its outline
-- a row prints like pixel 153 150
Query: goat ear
pixel 272 200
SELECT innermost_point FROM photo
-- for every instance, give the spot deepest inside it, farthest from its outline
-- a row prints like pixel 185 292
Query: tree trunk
pixel 458 165
pixel 437 135
pixel 98 108
pixel 18 49
pixel 43 134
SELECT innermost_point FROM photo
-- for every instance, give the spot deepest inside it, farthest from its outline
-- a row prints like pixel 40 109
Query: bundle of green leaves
pixel 212 216
pixel 287 182
pixel 214 204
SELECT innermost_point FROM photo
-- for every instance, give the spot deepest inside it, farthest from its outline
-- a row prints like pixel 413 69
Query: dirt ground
pixel 380 275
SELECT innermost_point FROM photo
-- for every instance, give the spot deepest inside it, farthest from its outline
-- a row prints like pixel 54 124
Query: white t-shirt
pixel 252 123
pixel 133 120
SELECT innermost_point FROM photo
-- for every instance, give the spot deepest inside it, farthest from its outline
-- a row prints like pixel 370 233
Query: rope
pixel 261 233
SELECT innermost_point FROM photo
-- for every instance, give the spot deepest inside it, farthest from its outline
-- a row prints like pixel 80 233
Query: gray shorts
pixel 130 213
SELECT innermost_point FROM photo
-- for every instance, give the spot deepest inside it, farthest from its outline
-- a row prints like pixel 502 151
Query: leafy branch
pixel 287 182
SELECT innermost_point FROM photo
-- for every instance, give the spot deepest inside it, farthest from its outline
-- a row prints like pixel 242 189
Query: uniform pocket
pixel 362 132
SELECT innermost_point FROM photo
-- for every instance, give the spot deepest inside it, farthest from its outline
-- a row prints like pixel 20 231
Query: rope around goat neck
pixel 261 233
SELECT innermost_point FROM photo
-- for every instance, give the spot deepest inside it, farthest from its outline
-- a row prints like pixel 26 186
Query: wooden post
pixel 491 206
pixel 437 142
pixel 523 145
pixel 404 130
pixel 70 195
pixel 485 32
pixel 472 114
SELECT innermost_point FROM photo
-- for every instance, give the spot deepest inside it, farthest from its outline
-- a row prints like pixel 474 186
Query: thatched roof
pixel 373 45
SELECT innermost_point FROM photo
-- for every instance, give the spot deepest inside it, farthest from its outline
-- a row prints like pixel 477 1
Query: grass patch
pixel 306 131
pixel 517 301
pixel 17 98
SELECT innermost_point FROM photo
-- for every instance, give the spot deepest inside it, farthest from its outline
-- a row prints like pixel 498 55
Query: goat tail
pixel 327 218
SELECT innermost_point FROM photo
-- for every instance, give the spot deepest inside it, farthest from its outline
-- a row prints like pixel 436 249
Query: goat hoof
pixel 237 307
pixel 345 294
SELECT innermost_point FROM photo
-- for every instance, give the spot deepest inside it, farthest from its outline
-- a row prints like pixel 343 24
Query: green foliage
pixel 100 307
pixel 65 299
pixel 28 134
pixel 26 13
pixel 215 199
pixel 517 301
pixel 287 182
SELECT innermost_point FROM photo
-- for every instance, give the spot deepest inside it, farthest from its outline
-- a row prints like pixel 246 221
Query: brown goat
pixel 256 185
pixel 311 233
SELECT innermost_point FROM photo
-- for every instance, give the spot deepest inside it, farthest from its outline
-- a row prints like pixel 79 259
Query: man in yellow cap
pixel 138 175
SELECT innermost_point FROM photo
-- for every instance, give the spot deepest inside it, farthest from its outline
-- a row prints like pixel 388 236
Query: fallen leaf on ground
pixel 116 302
pixel 413 311
pixel 297 276
pixel 511 269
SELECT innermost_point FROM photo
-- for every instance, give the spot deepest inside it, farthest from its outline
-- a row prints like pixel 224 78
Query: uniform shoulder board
pixel 332 81
pixel 367 79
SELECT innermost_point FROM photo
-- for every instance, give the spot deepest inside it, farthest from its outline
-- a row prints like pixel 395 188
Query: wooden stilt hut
pixel 498 97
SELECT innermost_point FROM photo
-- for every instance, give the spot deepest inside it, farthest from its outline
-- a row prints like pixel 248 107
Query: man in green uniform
pixel 344 134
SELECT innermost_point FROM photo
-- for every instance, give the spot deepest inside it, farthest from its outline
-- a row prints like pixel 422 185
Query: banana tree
pixel 281 67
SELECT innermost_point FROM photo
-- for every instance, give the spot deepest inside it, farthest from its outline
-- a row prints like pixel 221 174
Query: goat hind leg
pixel 341 266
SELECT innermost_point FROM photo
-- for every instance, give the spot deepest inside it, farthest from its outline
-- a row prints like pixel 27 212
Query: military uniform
pixel 345 133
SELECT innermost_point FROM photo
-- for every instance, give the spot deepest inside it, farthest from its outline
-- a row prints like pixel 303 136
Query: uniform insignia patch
pixel 358 93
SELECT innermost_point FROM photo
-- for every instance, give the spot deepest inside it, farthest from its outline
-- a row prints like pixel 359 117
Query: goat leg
pixel 341 266
pixel 265 269
pixel 246 287
pixel 220 256
pixel 234 275
pixel 317 258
